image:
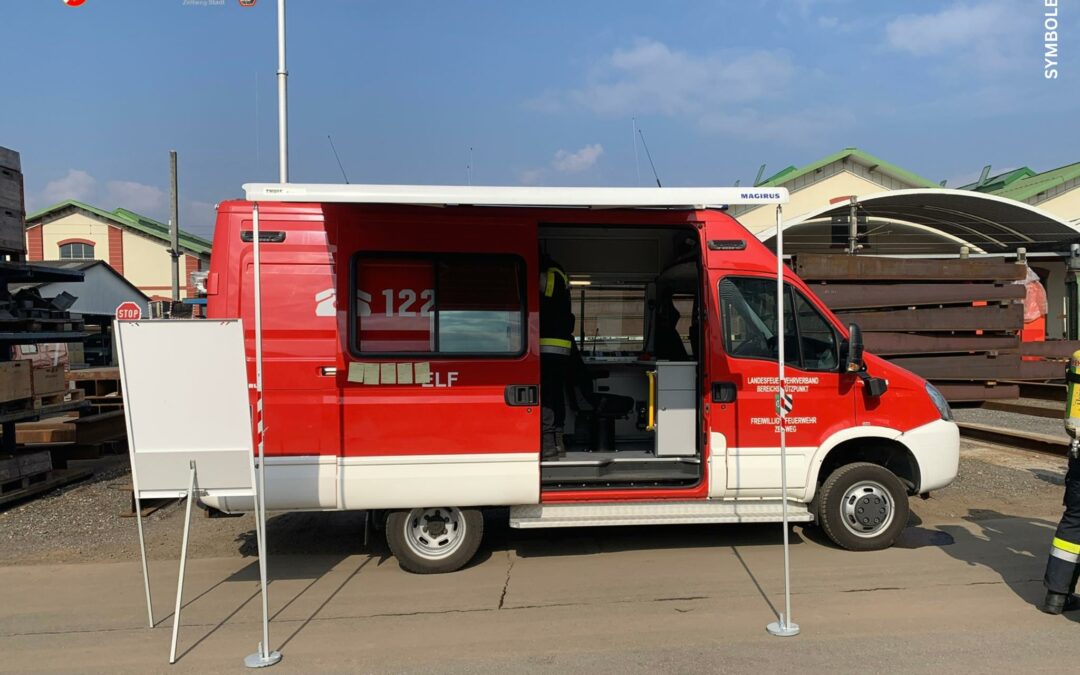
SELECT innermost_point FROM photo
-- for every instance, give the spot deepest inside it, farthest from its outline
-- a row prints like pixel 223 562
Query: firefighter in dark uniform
pixel 1063 566
pixel 556 339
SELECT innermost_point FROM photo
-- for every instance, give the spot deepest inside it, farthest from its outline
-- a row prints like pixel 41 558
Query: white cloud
pixel 564 162
pixel 729 92
pixel 532 176
pixel 76 184
pixel 987 36
pixel 577 161
pixel 846 25
pixel 650 77
pixel 81 186
pixel 138 197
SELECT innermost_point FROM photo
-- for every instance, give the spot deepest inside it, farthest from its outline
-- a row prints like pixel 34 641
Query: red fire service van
pixel 402 367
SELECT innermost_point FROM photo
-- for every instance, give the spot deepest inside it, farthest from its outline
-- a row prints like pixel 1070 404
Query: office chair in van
pixel 593 410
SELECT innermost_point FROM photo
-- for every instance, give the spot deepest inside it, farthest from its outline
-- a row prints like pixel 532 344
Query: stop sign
pixel 128 311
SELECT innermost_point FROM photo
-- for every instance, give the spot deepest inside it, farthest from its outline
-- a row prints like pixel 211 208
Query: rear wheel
pixel 863 507
pixel 434 540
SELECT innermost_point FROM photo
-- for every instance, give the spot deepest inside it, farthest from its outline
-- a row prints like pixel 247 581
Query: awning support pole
pixel 785 627
pixel 263 656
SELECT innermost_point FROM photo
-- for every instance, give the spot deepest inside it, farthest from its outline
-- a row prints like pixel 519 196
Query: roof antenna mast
pixel 633 140
pixel 283 100
pixel 337 158
pixel 649 155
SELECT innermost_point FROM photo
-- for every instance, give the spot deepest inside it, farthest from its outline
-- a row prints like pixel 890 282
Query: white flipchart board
pixel 185 389
pixel 188 416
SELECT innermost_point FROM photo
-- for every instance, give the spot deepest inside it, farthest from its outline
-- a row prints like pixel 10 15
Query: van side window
pixel 452 304
pixel 748 318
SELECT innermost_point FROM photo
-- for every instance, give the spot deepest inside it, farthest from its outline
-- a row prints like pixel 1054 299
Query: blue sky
pixel 543 92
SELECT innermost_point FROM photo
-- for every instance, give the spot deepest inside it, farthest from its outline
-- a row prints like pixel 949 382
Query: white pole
pixel 263 656
pixel 183 563
pixel 260 516
pixel 785 627
pixel 283 98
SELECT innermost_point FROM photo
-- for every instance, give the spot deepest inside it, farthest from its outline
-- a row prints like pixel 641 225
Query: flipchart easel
pixel 188 417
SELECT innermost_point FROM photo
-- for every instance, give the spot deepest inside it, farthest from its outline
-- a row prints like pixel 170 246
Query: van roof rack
pixel 479 195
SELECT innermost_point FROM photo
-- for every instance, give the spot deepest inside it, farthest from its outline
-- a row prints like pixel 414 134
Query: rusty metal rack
pixel 26 318
pixel 956 322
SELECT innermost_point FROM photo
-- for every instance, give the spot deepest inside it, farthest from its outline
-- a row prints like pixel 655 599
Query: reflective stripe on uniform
pixel 1070 550
pixel 556 342
pixel 555 346
pixel 549 285
pixel 563 351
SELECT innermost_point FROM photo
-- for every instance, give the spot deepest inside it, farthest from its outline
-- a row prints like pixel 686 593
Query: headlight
pixel 939 402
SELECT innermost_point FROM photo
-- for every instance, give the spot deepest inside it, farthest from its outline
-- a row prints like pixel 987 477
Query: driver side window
pixel 748 318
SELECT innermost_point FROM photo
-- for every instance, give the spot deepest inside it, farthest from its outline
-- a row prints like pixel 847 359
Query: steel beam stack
pixel 956 322
pixel 29 393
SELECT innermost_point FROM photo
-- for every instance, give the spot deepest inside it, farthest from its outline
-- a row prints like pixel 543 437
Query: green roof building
pixel 134 245
pixel 1054 191
pixel 850 171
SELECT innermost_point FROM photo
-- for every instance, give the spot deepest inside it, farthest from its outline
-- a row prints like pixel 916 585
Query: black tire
pixel 434 540
pixel 876 509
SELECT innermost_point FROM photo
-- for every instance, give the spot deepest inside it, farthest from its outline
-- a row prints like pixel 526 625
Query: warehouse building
pixel 134 245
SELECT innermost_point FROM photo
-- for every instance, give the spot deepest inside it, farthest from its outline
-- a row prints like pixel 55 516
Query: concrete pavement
pixel 952 595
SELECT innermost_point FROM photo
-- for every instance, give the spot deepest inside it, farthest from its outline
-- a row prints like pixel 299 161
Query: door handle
pixel 328 371
pixel 522 395
pixel 723 392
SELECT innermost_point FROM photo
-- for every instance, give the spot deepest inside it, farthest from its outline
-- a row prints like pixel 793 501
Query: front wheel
pixel 434 540
pixel 863 507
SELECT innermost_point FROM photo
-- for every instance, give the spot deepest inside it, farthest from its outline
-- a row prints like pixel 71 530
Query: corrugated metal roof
pixel 81 266
pixel 1035 184
pixel 999 181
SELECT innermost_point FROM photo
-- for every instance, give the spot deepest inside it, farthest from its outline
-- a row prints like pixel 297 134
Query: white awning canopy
pixel 931 221
pixel 478 195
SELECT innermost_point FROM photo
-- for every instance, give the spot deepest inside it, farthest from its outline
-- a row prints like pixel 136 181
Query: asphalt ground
pixel 957 592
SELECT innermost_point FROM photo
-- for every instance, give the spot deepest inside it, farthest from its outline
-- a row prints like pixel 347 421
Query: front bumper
pixel 936 447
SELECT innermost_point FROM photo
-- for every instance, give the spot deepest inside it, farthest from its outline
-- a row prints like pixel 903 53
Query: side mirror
pixel 853 357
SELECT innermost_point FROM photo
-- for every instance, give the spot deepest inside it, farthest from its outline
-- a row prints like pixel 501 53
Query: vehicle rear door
pixel 300 337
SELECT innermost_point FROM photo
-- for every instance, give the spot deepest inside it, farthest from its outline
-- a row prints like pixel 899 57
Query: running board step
pixel 655 513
